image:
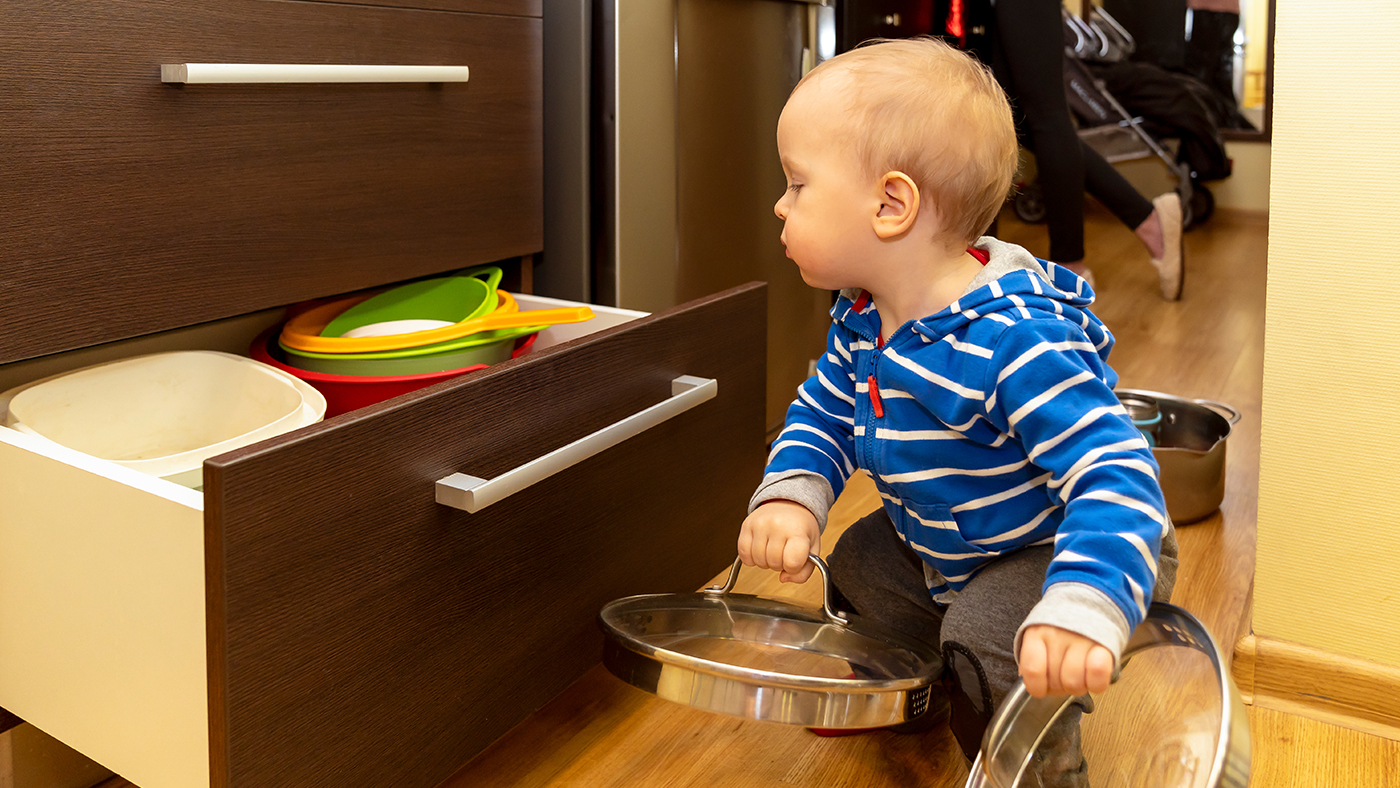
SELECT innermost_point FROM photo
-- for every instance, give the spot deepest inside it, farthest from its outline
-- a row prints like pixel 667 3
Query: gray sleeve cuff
pixel 1083 610
pixel 811 490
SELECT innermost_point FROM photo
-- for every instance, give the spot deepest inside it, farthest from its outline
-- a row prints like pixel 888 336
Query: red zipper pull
pixel 875 398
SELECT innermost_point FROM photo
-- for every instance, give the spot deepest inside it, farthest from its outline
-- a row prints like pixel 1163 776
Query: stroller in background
pixel 1104 124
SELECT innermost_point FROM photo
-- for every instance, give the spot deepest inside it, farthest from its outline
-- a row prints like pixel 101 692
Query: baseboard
pixel 8 721
pixel 1241 215
pixel 1332 688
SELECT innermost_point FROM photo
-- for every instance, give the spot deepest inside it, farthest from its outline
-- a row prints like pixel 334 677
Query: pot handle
pixel 1227 411
pixel 490 274
pixel 827 588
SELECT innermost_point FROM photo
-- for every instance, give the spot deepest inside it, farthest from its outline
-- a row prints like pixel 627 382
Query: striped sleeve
pixel 1049 388
pixel 818 436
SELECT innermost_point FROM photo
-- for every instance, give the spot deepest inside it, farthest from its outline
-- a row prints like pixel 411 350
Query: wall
pixel 645 211
pixel 1247 188
pixel 1329 494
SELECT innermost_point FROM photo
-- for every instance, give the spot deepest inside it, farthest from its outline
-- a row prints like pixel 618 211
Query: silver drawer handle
pixel 472 494
pixel 245 73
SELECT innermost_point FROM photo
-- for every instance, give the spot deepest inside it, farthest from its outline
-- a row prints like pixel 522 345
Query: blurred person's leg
pixel 1028 62
pixel 1210 53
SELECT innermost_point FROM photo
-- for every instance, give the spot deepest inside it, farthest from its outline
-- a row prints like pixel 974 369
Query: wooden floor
pixel 601 733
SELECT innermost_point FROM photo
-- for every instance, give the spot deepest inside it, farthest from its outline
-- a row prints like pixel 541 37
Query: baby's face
pixel 827 208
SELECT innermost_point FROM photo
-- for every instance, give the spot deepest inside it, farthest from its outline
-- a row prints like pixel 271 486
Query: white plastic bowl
pixel 163 414
pixel 392 327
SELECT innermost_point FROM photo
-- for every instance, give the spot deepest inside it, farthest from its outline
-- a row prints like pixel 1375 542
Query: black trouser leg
pixel 1029 63
pixel 1210 54
pixel 1114 191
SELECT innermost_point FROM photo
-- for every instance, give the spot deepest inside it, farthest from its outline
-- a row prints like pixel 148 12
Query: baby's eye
pixel 795 188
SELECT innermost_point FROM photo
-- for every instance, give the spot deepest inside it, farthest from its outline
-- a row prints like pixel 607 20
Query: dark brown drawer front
pixel 508 7
pixel 363 634
pixel 131 206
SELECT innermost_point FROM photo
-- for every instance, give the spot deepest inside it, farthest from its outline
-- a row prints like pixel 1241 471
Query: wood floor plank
pixel 1296 752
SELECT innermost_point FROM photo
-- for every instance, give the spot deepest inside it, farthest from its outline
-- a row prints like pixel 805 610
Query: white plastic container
pixel 163 414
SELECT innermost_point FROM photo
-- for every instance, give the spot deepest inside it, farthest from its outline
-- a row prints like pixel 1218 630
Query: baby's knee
pixel 982 634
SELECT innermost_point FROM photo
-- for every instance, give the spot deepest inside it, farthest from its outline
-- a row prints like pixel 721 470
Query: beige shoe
pixel 1171 268
pixel 1082 271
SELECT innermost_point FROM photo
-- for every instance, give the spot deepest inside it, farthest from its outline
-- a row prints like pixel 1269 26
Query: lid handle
pixel 831 614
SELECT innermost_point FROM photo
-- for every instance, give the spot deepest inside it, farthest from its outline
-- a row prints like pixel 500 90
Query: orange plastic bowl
pixel 345 393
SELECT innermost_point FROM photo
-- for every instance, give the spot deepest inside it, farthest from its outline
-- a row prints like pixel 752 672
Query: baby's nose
pixel 779 209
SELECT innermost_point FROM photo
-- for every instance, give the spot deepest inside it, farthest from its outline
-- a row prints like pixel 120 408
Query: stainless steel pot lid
pixel 764 659
pixel 1213 753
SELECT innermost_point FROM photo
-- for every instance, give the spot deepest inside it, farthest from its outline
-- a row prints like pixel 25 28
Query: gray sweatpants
pixel 880 578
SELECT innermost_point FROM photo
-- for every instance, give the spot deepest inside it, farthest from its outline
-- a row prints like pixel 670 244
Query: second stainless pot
pixel 1190 450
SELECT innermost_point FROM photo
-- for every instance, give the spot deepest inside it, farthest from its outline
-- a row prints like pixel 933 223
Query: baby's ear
pixel 899 205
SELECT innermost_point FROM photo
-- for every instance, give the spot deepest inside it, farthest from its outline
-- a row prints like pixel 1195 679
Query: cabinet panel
pixel 131 206
pixel 508 7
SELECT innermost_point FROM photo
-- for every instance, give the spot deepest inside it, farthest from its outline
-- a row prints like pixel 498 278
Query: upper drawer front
pixel 131 206
pixel 363 634
pixel 508 7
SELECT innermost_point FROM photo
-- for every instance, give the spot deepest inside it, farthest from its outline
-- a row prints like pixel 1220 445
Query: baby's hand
pixel 1056 661
pixel 780 535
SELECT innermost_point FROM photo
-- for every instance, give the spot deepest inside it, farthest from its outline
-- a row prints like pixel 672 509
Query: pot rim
pixel 1224 410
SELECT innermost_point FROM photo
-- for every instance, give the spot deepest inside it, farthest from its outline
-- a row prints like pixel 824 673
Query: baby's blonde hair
pixel 923 108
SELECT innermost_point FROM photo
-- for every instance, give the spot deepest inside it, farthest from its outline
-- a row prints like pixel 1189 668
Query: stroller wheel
pixel 1201 206
pixel 1029 204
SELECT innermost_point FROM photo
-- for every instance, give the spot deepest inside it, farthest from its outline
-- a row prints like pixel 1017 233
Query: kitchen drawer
pixel 510 7
pixel 132 206
pixel 316 618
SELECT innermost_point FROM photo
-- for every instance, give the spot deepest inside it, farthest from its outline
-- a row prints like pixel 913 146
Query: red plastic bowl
pixel 345 393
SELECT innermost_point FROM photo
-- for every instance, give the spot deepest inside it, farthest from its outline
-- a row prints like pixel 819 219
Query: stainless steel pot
pixel 763 659
pixel 1190 449
pixel 1020 721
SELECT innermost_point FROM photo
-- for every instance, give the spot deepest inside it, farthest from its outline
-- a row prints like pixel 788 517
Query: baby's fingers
pixel 1074 668
pixel 777 548
pixel 745 545
pixel 796 567
pixel 1033 665
pixel 758 551
pixel 1099 669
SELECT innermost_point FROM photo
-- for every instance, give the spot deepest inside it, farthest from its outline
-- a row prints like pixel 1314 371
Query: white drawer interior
pixel 102 628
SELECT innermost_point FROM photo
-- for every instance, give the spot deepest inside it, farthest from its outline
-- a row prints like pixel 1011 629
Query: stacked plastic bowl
pixel 367 348
pixel 163 414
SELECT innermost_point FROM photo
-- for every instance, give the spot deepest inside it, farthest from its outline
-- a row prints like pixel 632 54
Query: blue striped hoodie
pixel 988 427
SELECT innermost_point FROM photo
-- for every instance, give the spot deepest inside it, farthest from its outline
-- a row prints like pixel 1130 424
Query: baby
pixel 1022 528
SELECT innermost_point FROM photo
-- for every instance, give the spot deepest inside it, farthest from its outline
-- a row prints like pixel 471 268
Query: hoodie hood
pixel 1012 286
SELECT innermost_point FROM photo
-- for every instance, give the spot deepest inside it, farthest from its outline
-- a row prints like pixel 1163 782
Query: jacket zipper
pixel 877 408
pixel 875 403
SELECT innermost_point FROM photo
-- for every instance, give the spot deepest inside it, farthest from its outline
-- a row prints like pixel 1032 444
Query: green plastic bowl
pixel 452 299
pixel 484 352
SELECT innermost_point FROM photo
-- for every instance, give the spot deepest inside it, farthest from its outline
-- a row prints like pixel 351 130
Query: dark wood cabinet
pixel 503 7
pixel 314 617
pixel 317 618
pixel 353 617
pixel 131 206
